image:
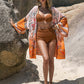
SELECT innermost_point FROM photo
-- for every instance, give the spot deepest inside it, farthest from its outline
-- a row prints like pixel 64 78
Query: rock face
pixel 66 2
pixel 23 6
pixel 12 47
pixel 75 40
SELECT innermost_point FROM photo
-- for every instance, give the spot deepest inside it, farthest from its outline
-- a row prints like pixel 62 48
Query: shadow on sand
pixel 30 74
pixel 77 81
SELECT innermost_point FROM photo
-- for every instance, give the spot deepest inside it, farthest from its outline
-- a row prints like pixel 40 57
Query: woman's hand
pixel 11 21
pixel 55 27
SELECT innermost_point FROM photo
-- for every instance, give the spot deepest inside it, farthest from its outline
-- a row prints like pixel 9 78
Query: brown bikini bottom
pixel 46 34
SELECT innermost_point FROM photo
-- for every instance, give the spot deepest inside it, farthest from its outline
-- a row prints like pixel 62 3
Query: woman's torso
pixel 44 18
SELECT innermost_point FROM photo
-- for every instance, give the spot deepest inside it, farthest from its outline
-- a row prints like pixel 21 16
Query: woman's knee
pixel 51 60
pixel 46 60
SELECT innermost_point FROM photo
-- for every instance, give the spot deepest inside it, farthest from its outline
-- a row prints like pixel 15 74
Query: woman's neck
pixel 43 5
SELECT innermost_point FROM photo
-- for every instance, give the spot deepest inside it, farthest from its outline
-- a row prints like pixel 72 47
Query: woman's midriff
pixel 46 34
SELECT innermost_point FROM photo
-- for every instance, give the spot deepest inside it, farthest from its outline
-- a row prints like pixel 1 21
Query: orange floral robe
pixel 29 22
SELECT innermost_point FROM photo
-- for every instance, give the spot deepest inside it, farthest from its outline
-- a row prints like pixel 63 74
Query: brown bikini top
pixel 47 18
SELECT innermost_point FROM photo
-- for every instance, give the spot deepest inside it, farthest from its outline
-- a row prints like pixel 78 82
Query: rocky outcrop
pixel 66 2
pixel 75 40
pixel 23 6
pixel 12 45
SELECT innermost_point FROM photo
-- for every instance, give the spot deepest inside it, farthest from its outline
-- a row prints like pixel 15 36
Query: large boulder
pixel 74 42
pixel 12 45
pixel 23 6
pixel 66 2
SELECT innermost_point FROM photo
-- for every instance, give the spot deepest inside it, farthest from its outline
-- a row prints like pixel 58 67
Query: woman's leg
pixel 44 50
pixel 51 46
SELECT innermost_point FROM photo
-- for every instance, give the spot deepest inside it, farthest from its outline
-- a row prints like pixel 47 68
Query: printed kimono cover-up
pixel 29 22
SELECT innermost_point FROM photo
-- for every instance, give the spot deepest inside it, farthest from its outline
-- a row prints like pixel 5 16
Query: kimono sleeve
pixel 62 24
pixel 20 26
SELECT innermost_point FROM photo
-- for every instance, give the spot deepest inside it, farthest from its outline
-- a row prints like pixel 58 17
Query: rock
pixel 74 42
pixel 6 71
pixel 66 2
pixel 22 7
pixel 12 45
pixel 8 58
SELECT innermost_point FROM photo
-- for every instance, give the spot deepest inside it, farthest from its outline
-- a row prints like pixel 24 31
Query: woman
pixel 47 29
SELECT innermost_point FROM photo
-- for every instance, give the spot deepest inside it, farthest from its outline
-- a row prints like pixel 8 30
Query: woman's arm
pixel 21 25
pixel 62 25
